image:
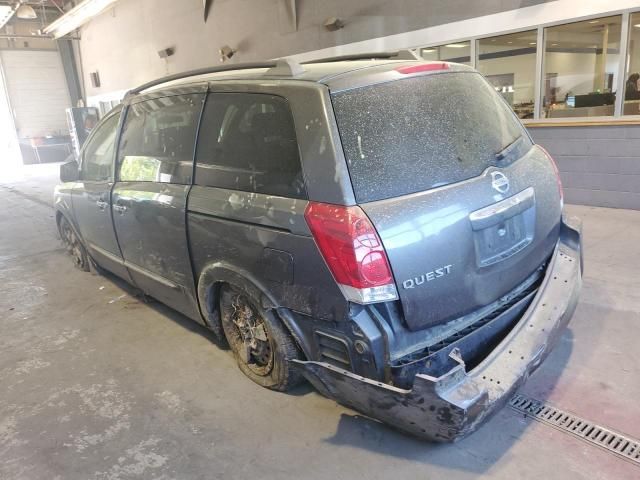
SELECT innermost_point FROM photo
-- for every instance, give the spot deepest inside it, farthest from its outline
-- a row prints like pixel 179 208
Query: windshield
pixel 412 135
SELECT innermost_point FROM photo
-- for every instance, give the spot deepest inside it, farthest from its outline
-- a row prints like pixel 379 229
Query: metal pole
pixel 601 74
pixel 539 82
pixel 622 65
pixel 474 57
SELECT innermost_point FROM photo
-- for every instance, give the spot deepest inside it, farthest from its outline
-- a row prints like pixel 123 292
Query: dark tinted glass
pixel 411 135
pixel 247 142
pixel 158 140
pixel 97 160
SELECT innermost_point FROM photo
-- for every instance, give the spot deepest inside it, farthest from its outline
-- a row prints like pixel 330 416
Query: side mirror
pixel 69 172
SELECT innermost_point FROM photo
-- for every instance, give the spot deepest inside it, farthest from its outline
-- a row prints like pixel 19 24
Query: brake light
pixel 353 252
pixel 423 67
pixel 557 172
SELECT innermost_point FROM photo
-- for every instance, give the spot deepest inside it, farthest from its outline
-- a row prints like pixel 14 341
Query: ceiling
pixel 46 12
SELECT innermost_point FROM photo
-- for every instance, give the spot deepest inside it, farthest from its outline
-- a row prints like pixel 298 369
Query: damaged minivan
pixel 384 228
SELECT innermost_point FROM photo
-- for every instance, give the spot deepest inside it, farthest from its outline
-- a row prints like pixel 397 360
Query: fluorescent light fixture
pixel 428 50
pixel 532 43
pixel 26 12
pixel 77 17
pixel 637 25
pixel 457 45
pixel 593 21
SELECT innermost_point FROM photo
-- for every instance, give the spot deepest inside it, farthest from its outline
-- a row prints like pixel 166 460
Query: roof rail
pixel 201 71
pixel 399 55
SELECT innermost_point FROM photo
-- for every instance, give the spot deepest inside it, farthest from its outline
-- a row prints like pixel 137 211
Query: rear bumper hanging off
pixel 453 405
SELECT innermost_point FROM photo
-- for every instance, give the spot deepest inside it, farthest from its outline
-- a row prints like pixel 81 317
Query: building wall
pixel 599 165
pixel 122 44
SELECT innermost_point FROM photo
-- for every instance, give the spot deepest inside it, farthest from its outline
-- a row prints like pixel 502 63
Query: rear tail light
pixel 353 252
pixel 557 172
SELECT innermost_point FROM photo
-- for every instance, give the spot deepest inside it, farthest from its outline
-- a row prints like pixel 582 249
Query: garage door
pixel 37 91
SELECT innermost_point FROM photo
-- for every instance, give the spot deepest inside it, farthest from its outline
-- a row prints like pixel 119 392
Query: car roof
pixel 337 75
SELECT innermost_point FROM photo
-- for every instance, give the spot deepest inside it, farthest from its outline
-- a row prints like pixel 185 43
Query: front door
pixel 155 166
pixel 91 197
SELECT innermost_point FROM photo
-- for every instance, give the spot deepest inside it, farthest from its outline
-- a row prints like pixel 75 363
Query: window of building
pixel 247 142
pixel 158 140
pixel 97 160
pixel 509 63
pixel 632 75
pixel 458 52
pixel 581 68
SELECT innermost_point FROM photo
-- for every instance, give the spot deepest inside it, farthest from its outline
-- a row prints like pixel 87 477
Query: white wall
pixel 522 66
pixel 634 47
pixel 577 71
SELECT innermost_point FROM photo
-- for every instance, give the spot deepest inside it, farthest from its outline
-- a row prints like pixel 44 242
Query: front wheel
pixel 260 343
pixel 73 245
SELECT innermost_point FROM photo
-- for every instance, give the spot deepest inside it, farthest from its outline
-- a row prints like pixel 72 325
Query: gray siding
pixel 599 165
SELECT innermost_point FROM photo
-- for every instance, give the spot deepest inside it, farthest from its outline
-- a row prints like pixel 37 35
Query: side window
pixel 158 140
pixel 97 159
pixel 248 142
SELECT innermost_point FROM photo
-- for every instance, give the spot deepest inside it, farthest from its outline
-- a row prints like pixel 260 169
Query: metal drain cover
pixel 624 446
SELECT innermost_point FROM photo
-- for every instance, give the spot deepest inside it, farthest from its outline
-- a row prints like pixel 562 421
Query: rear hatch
pixel 466 206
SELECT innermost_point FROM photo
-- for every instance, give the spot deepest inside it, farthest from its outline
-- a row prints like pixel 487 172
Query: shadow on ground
pixel 475 453
pixel 483 447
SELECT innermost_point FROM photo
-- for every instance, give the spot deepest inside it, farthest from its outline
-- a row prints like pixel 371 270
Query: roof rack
pixel 285 67
pixel 281 67
pixel 201 71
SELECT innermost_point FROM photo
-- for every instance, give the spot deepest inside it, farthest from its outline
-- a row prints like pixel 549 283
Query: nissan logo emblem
pixel 499 182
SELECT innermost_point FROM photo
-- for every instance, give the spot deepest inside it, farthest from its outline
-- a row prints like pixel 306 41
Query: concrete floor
pixel 97 385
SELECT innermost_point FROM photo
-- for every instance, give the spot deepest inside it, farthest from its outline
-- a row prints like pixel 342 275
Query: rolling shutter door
pixel 37 90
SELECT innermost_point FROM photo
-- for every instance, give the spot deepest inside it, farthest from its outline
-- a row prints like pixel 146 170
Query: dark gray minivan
pixel 385 228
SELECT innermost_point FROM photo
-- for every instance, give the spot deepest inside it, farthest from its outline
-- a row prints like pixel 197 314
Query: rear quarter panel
pixel 265 240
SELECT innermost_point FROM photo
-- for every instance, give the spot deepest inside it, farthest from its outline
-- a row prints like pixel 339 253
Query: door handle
pixel 121 209
pixel 102 205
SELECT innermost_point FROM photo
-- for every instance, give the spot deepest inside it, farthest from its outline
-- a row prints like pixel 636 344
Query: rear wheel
pixel 73 245
pixel 260 343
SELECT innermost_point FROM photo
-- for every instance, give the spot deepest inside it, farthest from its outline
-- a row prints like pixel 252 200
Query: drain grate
pixel 614 442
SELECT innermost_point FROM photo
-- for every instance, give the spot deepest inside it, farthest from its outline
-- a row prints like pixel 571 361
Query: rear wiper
pixel 504 153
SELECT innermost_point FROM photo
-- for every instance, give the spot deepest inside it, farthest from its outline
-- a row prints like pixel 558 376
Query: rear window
pixel 411 135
